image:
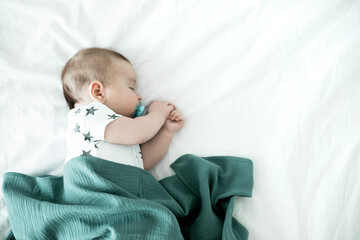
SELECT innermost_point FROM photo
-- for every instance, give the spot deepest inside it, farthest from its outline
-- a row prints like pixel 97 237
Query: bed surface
pixel 273 81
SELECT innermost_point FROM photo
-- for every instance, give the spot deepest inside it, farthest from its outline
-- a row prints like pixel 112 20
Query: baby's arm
pixel 128 131
pixel 155 149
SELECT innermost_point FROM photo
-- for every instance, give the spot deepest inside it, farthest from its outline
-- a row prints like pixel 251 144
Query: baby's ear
pixel 96 91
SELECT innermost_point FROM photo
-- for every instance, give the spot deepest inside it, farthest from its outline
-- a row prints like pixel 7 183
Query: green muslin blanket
pixel 99 199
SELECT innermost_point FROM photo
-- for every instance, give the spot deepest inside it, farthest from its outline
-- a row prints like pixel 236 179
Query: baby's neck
pixel 83 100
pixel 79 104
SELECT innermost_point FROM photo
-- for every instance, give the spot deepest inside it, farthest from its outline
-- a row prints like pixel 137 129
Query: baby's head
pixel 97 74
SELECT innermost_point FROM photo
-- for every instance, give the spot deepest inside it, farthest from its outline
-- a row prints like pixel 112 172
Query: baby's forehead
pixel 124 69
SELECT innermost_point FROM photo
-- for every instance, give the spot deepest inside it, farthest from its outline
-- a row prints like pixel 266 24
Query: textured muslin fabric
pixel 100 199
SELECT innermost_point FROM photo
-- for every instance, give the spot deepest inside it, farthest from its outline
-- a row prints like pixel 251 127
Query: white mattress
pixel 274 81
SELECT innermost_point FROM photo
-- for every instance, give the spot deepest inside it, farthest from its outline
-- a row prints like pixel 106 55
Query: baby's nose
pixel 140 98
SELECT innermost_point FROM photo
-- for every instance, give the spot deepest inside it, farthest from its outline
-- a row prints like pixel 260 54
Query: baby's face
pixel 121 95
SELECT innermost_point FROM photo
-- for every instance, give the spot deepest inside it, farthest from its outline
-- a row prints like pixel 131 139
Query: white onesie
pixel 85 136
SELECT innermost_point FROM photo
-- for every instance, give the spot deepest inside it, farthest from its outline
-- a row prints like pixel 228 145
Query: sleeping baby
pixel 98 198
pixel 99 86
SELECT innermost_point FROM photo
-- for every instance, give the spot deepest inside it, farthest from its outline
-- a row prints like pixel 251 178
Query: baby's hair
pixel 87 65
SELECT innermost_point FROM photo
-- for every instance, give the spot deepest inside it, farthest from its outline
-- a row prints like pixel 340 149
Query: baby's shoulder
pixel 94 112
pixel 94 108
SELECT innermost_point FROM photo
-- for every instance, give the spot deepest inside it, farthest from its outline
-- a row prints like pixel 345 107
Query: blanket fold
pixel 99 199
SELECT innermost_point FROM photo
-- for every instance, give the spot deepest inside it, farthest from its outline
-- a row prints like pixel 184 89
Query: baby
pixel 99 86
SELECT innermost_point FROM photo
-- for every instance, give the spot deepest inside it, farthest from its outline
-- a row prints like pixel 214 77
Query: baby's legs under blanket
pixel 98 198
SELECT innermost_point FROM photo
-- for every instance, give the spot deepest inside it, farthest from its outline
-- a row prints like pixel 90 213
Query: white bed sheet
pixel 274 81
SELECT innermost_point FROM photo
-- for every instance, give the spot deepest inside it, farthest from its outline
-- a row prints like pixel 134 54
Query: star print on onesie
pixel 86 132
pixel 91 111
pixel 77 128
pixel 87 136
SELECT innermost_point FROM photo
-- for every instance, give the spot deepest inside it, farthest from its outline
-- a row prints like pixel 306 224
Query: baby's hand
pixel 174 122
pixel 163 107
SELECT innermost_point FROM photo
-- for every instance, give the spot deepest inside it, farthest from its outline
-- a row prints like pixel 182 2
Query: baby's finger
pixel 178 114
pixel 173 114
pixel 172 106
pixel 180 118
